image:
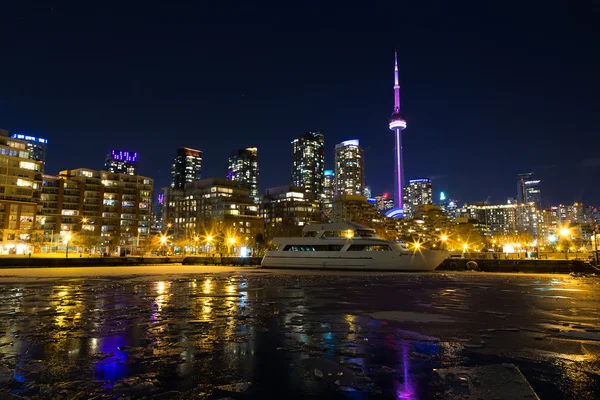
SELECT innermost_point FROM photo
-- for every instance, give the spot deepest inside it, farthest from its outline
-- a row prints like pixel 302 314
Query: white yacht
pixel 346 245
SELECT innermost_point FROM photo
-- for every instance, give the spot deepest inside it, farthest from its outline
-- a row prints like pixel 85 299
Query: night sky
pixel 488 90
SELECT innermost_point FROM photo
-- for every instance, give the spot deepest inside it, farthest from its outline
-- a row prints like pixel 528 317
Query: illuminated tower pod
pixel 397 124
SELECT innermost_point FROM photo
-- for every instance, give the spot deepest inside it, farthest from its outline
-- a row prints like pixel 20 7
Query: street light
pixel 67 240
pixel 231 241
pixel 163 241
pixel 196 239
pixel 565 233
pixel 209 239
pixel 84 220
pixel 444 239
pixel 595 238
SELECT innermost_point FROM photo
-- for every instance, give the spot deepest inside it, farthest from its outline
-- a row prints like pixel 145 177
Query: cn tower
pixel 397 124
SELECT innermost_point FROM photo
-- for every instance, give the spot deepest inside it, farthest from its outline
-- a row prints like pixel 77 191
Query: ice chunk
pixel 410 316
pixel 331 371
pixel 498 382
pixel 6 375
pixel 579 335
pixel 237 387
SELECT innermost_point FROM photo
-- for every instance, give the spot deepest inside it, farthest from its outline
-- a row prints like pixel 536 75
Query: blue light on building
pixel 35 145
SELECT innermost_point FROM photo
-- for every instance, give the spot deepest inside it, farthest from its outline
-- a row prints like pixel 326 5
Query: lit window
pixel 27 165
pixel 23 182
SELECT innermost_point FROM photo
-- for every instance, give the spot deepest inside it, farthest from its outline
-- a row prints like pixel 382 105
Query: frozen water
pixel 183 333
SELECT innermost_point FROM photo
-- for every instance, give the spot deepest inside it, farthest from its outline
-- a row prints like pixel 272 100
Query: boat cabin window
pixel 349 233
pixel 364 233
pixel 332 234
pixel 369 247
pixel 310 234
pixel 311 247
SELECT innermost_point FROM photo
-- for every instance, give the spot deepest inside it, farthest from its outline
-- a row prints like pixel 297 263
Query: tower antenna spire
pixel 396 85
pixel 397 125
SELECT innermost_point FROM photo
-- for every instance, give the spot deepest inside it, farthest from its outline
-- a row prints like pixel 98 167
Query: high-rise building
pixel 187 167
pixel 349 168
pixel 214 206
pixel 502 219
pixel 328 194
pixel 35 145
pixel 243 169
pixel 355 208
pixel 397 125
pixel 448 206
pixel 528 190
pixel 20 186
pixel 367 192
pixel 570 215
pixel 418 192
pixel 121 162
pixel 384 203
pixel 114 211
pixel 308 162
pixel 157 210
pixel 549 223
pixel 288 207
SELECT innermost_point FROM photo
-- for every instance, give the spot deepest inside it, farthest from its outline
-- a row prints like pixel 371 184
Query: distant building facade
pixel 115 210
pixel 328 194
pixel 502 219
pixel 121 162
pixel 418 192
pixel 35 145
pixel 156 225
pixel 20 187
pixel 187 167
pixel 308 162
pixel 529 190
pixel 384 203
pixel 287 207
pixel 212 206
pixel 243 169
pixel 355 208
pixel 349 168
pixel 449 207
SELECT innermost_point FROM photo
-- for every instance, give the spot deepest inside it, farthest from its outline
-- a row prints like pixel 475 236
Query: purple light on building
pixel 397 125
pixel 121 162
pixel 119 155
pixel 161 198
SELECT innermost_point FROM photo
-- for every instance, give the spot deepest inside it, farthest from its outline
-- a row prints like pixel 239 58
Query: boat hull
pixel 367 261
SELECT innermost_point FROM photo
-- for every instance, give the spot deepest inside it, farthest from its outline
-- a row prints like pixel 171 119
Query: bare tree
pixel 87 240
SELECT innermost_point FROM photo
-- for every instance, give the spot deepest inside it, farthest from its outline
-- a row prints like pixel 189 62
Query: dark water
pixel 267 336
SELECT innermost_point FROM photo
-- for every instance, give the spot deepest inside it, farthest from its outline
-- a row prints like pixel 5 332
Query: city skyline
pixel 469 108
